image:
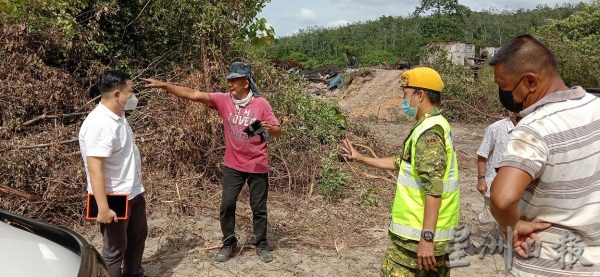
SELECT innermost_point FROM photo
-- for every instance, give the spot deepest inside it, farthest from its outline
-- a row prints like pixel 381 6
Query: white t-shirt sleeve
pixel 487 144
pixel 526 151
pixel 99 142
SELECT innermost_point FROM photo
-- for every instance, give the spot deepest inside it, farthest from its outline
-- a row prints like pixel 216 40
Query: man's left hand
pixel 526 230
pixel 425 255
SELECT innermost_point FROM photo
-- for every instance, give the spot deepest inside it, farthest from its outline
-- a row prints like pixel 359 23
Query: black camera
pixel 256 129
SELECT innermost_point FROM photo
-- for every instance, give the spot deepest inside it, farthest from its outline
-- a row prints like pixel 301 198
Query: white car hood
pixel 26 254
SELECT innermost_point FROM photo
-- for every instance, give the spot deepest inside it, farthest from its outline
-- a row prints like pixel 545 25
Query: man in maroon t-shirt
pixel 246 157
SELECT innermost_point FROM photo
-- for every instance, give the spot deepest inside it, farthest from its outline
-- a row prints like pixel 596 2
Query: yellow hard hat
pixel 422 78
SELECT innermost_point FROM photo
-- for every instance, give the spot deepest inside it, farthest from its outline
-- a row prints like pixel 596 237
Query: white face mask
pixel 131 103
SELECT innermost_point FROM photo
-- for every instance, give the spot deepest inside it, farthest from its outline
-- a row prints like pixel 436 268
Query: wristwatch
pixel 427 235
pixel 479 177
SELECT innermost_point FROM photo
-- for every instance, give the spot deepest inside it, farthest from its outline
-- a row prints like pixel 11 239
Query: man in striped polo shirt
pixel 548 183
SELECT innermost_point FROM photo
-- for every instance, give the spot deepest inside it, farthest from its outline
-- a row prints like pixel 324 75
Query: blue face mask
pixel 408 110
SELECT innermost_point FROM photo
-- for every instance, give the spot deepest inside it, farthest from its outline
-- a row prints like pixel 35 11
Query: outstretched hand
pixel 349 151
pixel 151 83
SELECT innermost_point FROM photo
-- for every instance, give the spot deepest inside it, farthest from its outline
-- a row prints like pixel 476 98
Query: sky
pixel 289 16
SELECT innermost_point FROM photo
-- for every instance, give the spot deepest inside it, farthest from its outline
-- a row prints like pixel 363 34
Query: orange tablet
pixel 116 202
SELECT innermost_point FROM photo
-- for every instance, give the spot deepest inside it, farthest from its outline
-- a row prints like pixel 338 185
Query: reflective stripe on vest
pixel 408 209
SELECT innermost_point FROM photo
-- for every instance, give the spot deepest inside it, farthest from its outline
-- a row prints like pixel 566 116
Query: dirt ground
pixel 309 235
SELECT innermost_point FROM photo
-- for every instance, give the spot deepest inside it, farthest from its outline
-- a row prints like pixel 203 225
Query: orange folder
pixel 116 202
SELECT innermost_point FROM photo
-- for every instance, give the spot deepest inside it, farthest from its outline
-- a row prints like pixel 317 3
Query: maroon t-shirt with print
pixel 243 153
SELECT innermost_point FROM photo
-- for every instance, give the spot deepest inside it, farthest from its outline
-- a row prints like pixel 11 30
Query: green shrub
pixel 467 97
pixel 574 41
pixel 332 179
pixel 377 57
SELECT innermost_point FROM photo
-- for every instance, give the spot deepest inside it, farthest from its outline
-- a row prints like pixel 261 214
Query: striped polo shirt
pixel 558 143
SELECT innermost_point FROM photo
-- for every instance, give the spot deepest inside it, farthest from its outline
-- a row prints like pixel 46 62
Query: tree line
pixel 392 38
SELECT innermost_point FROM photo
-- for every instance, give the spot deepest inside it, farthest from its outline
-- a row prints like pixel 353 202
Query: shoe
pixel 264 254
pixel 225 253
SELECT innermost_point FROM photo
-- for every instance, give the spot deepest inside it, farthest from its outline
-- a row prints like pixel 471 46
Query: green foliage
pixel 309 119
pixel 574 41
pixel 466 96
pixel 260 33
pixel 43 15
pixel 377 57
pixel 76 35
pixel 309 122
pixel 438 6
pixel 332 179
pixel 443 27
pixel 403 36
pixel 184 29
pixel 369 196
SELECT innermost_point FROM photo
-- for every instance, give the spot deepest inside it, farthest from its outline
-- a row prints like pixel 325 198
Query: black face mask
pixel 507 100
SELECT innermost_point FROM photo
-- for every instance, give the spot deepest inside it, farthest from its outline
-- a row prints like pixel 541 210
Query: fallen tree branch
pixel 375 155
pixel 190 178
pixel 286 168
pixel 91 101
pixel 45 116
pixel 17 192
pixel 45 144
pixel 371 176
pixel 155 61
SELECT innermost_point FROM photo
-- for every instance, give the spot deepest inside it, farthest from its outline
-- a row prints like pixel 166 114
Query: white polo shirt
pixel 105 134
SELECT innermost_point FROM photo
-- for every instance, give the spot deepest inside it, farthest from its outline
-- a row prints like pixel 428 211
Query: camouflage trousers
pixel 400 262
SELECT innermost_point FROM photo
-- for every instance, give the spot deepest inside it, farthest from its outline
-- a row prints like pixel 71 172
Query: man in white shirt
pixel 489 156
pixel 113 166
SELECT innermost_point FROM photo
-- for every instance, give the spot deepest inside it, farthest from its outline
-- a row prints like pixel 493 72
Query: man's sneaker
pixel 225 253
pixel 264 254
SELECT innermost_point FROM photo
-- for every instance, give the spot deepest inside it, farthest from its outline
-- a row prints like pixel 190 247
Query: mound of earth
pixel 374 96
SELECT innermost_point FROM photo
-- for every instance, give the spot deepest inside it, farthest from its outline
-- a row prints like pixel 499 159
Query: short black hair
pixel 434 96
pixel 526 52
pixel 110 80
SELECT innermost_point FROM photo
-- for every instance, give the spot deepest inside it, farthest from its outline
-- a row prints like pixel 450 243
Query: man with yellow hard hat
pixel 427 200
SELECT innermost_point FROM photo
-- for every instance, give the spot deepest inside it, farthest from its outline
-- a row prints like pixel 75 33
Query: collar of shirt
pixel 554 97
pixel 110 113
pixel 432 112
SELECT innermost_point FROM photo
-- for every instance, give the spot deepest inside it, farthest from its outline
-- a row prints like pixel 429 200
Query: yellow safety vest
pixel 408 210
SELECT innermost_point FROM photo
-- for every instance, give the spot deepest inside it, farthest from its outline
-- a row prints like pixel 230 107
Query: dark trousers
pixel 233 181
pixel 124 241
